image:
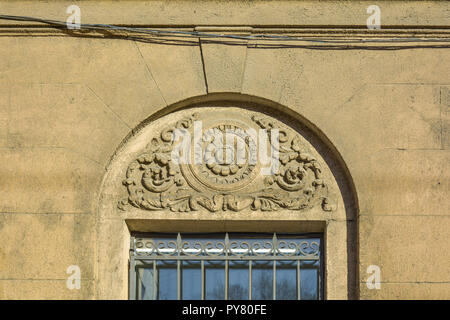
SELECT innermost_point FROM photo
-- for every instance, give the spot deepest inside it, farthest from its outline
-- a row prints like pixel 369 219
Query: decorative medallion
pixel 226 160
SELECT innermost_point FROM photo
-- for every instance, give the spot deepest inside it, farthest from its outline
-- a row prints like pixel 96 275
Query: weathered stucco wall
pixel 68 102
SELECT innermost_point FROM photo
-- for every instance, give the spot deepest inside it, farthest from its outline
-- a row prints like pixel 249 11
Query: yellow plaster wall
pixel 67 103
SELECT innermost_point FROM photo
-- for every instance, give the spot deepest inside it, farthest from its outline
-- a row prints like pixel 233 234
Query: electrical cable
pixel 173 34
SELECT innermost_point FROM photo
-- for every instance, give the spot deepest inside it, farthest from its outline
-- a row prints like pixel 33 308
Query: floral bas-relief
pixel 220 182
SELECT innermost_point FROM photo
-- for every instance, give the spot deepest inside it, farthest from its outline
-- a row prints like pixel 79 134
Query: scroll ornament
pixel 155 182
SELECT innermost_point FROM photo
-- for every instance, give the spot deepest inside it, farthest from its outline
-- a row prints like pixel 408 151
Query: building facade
pixel 87 124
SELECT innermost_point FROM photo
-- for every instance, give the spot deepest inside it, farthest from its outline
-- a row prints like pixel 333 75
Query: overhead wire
pixel 180 36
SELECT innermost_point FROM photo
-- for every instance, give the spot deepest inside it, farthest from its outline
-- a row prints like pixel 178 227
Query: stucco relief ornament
pixel 156 182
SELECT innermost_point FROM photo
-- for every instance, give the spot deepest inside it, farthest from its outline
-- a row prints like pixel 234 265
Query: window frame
pixel 136 260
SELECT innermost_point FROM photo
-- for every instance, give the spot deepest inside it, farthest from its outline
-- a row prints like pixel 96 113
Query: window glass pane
pixel 309 273
pixel 192 280
pixel 215 280
pixel 262 280
pixel 145 283
pixel 286 280
pixel 167 280
pixel 238 280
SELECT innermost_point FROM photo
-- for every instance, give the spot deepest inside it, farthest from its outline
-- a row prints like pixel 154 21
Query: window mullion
pixel 250 280
pixel 227 247
pixel 298 281
pixel 132 270
pixel 155 277
pixel 178 279
pixel 275 247
pixel 203 278
pixel 179 244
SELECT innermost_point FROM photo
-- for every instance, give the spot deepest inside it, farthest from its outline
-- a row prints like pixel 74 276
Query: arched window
pixel 227 199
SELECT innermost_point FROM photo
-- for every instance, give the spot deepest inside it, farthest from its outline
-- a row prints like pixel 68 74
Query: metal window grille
pixel 162 264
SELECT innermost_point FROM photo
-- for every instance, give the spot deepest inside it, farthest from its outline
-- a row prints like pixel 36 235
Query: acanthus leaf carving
pixel 155 182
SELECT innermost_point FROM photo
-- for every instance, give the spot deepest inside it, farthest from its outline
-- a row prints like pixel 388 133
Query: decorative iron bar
pixel 147 252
